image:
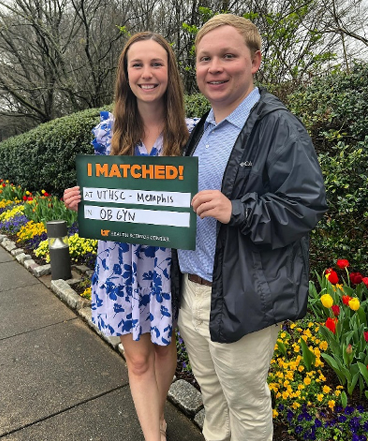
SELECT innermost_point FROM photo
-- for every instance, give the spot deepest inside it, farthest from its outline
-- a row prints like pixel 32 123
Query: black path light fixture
pixel 57 234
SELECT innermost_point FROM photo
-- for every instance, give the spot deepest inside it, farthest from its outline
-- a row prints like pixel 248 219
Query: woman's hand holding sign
pixel 72 197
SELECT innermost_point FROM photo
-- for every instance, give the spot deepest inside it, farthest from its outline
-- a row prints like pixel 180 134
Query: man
pixel 260 194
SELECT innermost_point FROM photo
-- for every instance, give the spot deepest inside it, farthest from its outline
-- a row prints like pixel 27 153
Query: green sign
pixel 138 199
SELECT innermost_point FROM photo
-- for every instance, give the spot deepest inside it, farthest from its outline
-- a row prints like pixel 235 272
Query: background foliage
pixel 44 157
pixel 60 57
pixel 333 107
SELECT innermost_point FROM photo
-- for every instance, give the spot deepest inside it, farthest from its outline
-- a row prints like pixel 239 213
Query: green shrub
pixel 196 105
pixel 334 109
pixel 44 158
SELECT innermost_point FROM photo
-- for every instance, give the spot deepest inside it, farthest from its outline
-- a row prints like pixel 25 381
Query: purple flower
pixel 354 424
pixel 349 410
pixel 34 242
pixel 14 225
pixel 290 415
pixel 298 429
pixel 89 259
pixel 73 229
pixel 307 416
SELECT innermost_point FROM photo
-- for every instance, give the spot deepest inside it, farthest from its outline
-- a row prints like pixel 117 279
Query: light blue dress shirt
pixel 213 152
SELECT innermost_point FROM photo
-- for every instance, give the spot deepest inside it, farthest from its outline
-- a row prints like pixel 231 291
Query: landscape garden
pixel 319 373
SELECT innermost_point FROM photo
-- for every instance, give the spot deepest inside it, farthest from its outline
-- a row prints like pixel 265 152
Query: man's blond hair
pixel 245 27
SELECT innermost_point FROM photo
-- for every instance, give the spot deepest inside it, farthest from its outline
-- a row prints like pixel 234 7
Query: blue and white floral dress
pixel 131 288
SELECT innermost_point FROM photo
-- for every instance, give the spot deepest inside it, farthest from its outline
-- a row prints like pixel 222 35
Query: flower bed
pixel 319 373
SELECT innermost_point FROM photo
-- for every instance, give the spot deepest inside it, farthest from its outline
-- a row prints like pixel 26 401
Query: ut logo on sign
pixel 105 232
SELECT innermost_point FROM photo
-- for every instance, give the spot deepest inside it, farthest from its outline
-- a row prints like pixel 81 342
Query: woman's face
pixel 147 63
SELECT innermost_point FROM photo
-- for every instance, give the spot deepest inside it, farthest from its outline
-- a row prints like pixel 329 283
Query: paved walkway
pixel 59 381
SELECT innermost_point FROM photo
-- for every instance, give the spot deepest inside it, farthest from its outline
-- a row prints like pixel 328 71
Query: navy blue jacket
pixel 275 184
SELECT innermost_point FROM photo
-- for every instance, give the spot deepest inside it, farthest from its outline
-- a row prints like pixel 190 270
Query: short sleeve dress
pixel 131 288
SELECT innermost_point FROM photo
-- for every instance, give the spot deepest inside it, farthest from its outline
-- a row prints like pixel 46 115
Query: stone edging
pixel 185 396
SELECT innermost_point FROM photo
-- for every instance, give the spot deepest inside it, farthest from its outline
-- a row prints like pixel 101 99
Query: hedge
pixel 334 109
pixel 44 157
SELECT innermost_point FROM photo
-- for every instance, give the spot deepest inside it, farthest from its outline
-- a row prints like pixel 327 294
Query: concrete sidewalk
pixel 59 381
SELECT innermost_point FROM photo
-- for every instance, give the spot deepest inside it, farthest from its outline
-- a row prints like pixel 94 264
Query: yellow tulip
pixel 327 300
pixel 354 304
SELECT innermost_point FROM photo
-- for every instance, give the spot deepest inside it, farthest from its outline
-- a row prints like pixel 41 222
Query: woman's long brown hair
pixel 128 127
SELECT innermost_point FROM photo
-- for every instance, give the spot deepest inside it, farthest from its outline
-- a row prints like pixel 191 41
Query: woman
pixel 131 285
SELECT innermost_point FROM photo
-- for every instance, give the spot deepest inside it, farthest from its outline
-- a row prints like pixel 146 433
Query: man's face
pixel 225 69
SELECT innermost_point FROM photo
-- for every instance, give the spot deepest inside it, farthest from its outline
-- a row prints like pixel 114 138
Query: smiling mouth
pixel 147 86
pixel 216 83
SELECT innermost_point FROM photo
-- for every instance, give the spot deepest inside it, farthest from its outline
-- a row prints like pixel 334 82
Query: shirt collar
pixel 238 116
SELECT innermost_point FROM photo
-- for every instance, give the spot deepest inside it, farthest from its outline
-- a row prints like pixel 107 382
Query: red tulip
pixel 346 300
pixel 335 310
pixel 356 278
pixel 331 324
pixel 342 263
pixel 365 281
pixel 332 277
pixel 366 336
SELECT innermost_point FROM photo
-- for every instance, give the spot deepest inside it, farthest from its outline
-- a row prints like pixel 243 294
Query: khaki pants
pixel 232 376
